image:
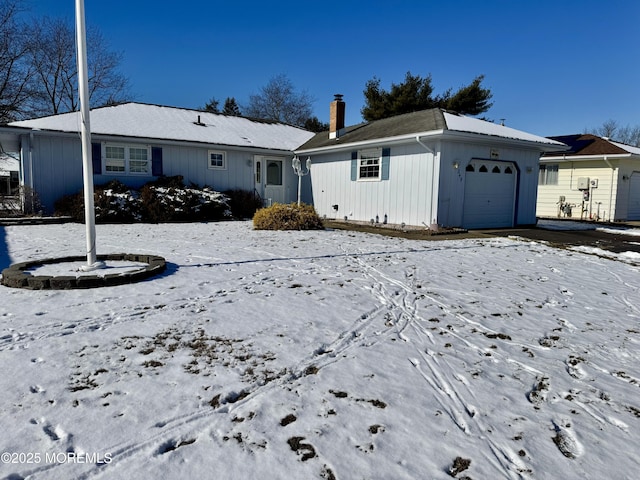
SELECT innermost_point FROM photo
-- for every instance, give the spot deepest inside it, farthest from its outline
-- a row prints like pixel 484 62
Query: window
pixel 138 160
pixel 274 172
pixel 369 165
pixel 548 174
pixel 127 159
pixel 217 160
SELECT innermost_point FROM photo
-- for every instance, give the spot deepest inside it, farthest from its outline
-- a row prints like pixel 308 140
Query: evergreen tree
pixel 416 93
pixel 212 106
pixel 314 124
pixel 231 107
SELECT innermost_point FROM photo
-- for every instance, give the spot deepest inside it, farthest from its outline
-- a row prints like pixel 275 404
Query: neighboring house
pixel 136 143
pixel 596 179
pixel 9 174
pixel 427 168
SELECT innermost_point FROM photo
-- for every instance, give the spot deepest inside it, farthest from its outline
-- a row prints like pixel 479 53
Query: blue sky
pixel 554 67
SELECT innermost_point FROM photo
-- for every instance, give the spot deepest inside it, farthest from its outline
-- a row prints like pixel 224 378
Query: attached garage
pixel 430 168
pixel 633 212
pixel 489 194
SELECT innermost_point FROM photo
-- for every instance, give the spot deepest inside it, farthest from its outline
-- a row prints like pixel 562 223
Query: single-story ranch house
pixel 427 168
pixel 596 179
pixel 136 143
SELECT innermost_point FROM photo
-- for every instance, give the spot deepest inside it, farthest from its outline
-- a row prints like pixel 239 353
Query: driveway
pixel 610 237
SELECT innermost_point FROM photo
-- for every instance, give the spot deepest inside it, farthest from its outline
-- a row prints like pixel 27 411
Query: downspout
pixel 606 160
pixel 434 191
pixel 31 141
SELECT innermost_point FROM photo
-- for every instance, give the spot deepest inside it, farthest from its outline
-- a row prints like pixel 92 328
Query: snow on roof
pixel 170 123
pixel 463 123
pixel 628 148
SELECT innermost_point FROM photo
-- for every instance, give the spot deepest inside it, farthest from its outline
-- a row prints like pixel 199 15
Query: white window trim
pixel 127 159
pixel 224 160
pixel 549 174
pixel 371 153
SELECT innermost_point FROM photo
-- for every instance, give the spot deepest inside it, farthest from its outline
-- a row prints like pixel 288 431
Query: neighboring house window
pixel 548 174
pixel 217 160
pixel 369 163
pixel 127 159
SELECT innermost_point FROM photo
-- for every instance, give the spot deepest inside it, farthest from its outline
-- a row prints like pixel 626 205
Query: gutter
pixel 613 170
pixel 572 158
pixel 435 183
pixel 365 143
pixel 444 133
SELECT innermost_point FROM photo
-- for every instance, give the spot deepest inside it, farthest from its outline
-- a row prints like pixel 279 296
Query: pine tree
pixel 231 107
pixel 416 93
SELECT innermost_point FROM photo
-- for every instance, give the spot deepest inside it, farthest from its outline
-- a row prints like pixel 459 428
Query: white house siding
pixel 406 197
pixel 605 196
pixel 57 167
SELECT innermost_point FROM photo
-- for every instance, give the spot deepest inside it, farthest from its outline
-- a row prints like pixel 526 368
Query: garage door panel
pixel 633 211
pixel 489 196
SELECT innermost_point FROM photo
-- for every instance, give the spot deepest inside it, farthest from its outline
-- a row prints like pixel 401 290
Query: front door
pixel 269 178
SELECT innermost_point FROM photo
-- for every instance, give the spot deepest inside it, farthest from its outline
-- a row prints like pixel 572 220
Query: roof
pixel 139 120
pixel 591 145
pixel 423 122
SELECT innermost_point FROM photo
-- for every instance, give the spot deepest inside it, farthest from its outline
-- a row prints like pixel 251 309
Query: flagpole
pixel 87 170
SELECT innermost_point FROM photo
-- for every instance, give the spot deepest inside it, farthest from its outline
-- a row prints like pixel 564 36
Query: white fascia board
pixel 409 138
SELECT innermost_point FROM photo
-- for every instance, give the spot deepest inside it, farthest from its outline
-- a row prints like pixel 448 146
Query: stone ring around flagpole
pixel 18 276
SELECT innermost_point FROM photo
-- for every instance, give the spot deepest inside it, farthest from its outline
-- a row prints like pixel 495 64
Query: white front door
pixel 273 177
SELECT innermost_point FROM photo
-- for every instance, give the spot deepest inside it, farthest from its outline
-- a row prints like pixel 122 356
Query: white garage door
pixel 633 212
pixel 489 194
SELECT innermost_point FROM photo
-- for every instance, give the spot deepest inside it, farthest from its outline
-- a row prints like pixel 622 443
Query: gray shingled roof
pixel 422 122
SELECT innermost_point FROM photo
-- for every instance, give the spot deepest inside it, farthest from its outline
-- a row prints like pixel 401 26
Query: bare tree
pixel 278 100
pixel 613 130
pixel 52 57
pixel 14 72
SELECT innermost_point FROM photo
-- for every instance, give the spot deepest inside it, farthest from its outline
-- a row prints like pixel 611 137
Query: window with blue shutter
pixel 354 166
pixel 370 164
pixel 386 157
pixel 156 161
pixel 96 158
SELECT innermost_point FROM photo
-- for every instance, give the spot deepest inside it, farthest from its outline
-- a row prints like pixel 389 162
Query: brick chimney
pixel 336 117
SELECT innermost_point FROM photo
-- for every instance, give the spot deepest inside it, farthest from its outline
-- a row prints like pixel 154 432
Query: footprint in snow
pixel 566 441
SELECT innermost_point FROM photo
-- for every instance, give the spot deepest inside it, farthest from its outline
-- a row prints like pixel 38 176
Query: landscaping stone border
pixel 16 277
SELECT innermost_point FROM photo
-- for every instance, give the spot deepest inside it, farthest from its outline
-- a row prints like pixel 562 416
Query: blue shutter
pixel 354 166
pixel 96 158
pixel 156 161
pixel 386 156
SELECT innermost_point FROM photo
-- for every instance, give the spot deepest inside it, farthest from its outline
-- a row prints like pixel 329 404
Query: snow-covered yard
pixel 321 355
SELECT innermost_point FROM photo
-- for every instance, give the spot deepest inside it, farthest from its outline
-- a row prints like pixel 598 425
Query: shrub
pixel 168 200
pixel 287 217
pixel 243 204
pixel 164 200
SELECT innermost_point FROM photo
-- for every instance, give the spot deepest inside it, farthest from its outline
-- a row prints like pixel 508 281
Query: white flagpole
pixel 83 88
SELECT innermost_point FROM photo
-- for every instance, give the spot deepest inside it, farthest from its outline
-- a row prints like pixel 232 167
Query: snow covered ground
pixel 321 355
